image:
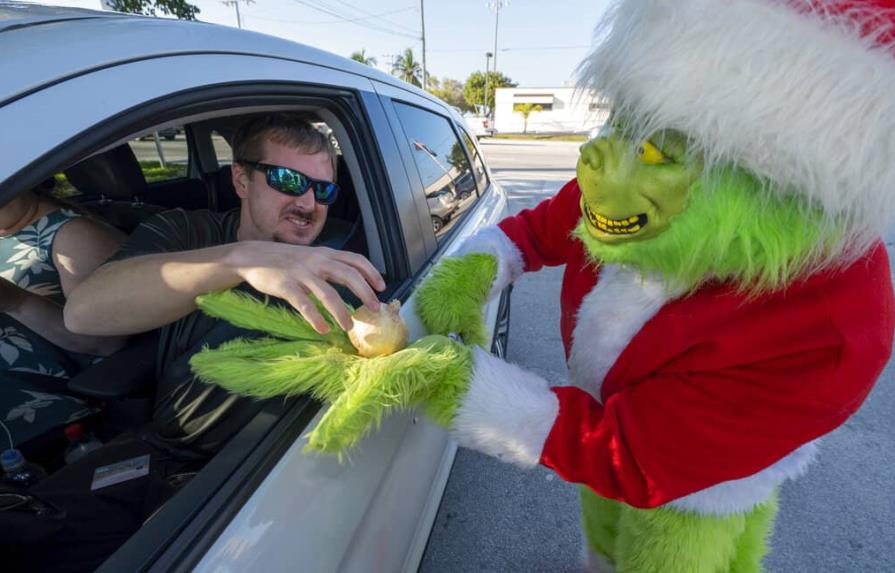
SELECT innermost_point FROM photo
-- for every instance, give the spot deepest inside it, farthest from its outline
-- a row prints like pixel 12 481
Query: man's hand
pixel 12 296
pixel 293 273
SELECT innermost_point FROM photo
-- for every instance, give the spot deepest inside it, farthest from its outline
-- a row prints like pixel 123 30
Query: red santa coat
pixel 711 393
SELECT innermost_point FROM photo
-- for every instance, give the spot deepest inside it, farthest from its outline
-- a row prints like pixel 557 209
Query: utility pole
pixel 498 4
pixel 485 97
pixel 235 3
pixel 423 26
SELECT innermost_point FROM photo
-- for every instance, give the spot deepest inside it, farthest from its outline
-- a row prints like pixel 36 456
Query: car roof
pixel 42 45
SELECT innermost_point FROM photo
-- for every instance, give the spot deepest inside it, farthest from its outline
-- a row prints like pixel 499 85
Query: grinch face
pixel 632 192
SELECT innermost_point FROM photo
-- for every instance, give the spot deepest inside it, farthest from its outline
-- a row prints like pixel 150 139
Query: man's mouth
pixel 299 220
pixel 627 226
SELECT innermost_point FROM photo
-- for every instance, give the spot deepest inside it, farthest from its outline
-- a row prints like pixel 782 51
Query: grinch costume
pixel 726 300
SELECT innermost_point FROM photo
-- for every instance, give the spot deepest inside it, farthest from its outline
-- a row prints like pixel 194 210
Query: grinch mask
pixel 632 192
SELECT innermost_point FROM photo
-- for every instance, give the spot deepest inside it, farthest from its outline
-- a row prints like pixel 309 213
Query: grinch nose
pixel 591 156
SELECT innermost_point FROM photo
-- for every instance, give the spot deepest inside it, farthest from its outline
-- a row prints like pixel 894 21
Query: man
pixel 283 172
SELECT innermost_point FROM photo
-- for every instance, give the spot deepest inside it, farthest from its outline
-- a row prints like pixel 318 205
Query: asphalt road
pixel 839 518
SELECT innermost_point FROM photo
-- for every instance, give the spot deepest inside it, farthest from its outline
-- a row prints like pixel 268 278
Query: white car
pixel 480 125
pixel 79 91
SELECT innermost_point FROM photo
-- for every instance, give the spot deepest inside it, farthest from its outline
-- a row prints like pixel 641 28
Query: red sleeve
pixel 687 427
pixel 543 233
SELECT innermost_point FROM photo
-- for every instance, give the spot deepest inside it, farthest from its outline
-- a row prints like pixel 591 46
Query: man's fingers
pixel 306 307
pixel 350 277
pixel 331 300
pixel 363 266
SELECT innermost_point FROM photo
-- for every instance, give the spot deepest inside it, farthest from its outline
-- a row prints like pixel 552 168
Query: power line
pixel 340 21
pixel 368 25
pixel 379 16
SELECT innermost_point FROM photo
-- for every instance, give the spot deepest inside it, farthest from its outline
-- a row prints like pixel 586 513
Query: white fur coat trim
pixel 610 315
pixel 507 412
pixel 493 241
pixel 741 495
pixel 802 99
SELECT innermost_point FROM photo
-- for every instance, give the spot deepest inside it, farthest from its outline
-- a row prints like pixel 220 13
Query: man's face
pixel 269 215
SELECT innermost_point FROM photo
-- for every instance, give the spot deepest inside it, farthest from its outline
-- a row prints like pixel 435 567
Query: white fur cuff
pixel 507 413
pixel 493 241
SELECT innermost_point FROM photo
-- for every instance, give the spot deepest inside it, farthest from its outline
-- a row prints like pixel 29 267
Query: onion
pixel 378 333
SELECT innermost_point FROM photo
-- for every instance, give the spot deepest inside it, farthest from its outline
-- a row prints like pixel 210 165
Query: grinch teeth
pixel 631 225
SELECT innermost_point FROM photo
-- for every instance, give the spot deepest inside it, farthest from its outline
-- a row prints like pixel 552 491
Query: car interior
pixel 124 184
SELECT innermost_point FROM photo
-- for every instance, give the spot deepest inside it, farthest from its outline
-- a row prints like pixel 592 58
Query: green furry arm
pixel 452 297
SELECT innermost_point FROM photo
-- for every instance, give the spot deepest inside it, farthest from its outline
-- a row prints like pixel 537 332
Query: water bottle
pixel 19 471
pixel 79 443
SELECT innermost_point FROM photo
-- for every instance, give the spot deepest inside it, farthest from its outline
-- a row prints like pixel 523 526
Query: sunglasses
pixel 295 183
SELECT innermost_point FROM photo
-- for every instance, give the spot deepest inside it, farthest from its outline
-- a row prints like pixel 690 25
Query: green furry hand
pixel 433 372
pixel 452 297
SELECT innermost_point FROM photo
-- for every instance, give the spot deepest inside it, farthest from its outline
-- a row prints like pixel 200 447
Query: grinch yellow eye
pixel 649 154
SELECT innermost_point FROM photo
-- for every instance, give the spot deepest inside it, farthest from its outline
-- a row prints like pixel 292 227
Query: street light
pixel 485 96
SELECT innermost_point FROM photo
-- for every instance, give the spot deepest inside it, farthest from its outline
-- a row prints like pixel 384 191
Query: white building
pixel 563 110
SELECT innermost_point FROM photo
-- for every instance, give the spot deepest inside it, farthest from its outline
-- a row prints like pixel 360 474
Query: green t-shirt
pixel 187 411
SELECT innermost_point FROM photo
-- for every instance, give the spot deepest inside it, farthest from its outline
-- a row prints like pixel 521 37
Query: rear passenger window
pixel 222 149
pixel 478 167
pixel 442 165
pixel 163 154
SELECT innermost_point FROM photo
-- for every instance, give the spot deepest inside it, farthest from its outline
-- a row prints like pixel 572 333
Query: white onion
pixel 378 333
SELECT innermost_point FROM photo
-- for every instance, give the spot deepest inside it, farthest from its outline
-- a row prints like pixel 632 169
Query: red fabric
pixel 542 235
pixel 875 17
pixel 715 387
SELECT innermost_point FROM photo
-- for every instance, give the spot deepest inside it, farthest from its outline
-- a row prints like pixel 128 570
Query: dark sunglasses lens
pixel 326 193
pixel 287 180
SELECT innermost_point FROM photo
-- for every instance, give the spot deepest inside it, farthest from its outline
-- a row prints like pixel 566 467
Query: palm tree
pixel 361 56
pixel 407 68
pixel 526 109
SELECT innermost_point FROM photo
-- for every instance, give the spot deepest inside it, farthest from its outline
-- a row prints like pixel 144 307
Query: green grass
pixel 543 136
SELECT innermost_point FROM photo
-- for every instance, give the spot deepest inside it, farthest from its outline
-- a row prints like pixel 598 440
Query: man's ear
pixel 240 177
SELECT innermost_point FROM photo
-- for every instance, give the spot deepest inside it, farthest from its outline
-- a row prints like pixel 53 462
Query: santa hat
pixel 799 92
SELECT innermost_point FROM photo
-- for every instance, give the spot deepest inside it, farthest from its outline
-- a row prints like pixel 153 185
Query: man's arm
pixel 145 292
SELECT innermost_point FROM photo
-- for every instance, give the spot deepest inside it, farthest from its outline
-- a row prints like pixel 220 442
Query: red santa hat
pixel 799 92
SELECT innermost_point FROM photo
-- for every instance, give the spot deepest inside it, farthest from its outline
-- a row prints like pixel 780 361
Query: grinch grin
pixel 597 222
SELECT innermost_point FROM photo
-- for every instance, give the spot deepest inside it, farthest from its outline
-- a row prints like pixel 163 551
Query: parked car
pixel 480 126
pixel 260 504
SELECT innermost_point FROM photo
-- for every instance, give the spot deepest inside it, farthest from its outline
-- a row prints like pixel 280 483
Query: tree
pixel 451 91
pixel 362 57
pixel 180 9
pixel 526 109
pixel 408 68
pixel 474 89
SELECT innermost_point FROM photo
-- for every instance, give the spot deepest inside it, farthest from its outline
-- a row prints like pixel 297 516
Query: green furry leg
pixel 599 519
pixel 753 543
pixel 665 540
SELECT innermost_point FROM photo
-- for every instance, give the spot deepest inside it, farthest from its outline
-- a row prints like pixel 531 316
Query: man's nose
pixel 305 200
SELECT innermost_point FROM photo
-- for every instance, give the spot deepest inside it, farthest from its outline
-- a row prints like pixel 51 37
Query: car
pixel 96 82
pixel 480 125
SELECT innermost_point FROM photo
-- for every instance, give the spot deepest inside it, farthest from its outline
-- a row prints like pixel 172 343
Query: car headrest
pixel 113 175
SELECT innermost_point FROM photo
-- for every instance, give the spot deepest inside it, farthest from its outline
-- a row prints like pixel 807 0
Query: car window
pixel 222 149
pixel 478 166
pixel 442 165
pixel 163 154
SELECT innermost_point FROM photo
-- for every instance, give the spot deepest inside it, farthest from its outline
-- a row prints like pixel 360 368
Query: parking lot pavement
pixel 839 518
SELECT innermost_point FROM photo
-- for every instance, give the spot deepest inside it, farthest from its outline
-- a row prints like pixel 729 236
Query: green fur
pixel 733 230
pixel 246 311
pixel 665 540
pixel 434 371
pixel 452 297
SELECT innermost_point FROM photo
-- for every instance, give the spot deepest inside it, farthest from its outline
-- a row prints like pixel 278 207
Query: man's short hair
pixel 289 129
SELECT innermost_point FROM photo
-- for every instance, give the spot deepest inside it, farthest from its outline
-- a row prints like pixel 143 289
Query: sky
pixel 539 43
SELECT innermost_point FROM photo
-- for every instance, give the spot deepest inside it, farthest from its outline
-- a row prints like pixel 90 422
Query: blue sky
pixel 539 42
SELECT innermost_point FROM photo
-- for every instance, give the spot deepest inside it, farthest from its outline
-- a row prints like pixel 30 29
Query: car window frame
pixel 416 180
pixel 234 473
